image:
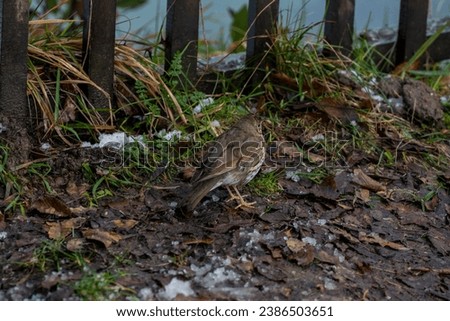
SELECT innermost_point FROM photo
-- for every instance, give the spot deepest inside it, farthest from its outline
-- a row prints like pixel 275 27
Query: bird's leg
pixel 239 198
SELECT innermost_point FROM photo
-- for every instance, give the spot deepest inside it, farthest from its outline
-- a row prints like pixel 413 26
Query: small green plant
pixel 265 184
pixel 52 253
pixel 99 286
pixel 423 199
pixel 316 175
pixel 11 181
pixel 154 110
pixel 41 170
pixel 387 159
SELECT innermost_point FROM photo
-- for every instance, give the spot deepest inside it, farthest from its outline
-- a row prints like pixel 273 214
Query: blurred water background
pixel 216 20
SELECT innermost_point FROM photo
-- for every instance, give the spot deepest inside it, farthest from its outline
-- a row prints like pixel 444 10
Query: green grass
pixel 100 286
pixel 12 183
pixel 52 255
pixel 265 184
pixel 316 175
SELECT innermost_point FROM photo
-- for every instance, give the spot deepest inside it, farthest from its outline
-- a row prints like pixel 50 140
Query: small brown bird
pixel 232 160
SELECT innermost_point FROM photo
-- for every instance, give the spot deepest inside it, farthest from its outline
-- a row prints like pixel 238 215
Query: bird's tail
pixel 195 195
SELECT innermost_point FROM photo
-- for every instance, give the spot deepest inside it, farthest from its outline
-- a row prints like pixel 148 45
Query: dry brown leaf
pixel 76 190
pixel 60 230
pixel 327 258
pixel 80 210
pixel 276 253
pixel 363 180
pixel 295 245
pixel 2 221
pixel 363 194
pixel 51 205
pixel 69 111
pixel 374 238
pixel 315 158
pixel 284 80
pixel 288 149
pixel 105 237
pixel 303 253
pixel 199 241
pixel 440 240
pixel 405 67
pixel 125 224
pixel 75 244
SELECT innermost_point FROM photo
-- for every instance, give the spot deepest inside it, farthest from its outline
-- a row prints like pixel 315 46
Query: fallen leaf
pixel 105 237
pixel 363 180
pixel 80 210
pixel 440 240
pixel 276 253
pixel 69 111
pixel 75 244
pixel 76 190
pixel 125 224
pixel 363 194
pixel 295 245
pixel 60 230
pixel 51 205
pixel 405 67
pixel 326 258
pixel 374 238
pixel 270 270
pixel 303 253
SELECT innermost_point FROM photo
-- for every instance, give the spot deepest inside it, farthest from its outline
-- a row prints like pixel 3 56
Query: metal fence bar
pixel 262 22
pixel 182 34
pixel 13 59
pixel 440 49
pixel 98 44
pixel 412 28
pixel 339 22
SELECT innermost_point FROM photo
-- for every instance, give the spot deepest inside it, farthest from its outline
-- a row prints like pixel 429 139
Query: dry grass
pixel 57 82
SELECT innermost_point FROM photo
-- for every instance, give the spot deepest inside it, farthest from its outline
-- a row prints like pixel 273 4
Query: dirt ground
pixel 366 232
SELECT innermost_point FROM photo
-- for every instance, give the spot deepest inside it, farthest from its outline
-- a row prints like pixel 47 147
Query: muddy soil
pixel 365 232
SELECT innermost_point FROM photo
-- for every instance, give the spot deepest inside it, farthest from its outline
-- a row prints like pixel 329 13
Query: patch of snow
pixel 116 140
pixel 173 204
pixel 269 236
pixel 169 136
pixel 176 287
pixel 318 137
pixel 255 236
pixel 219 275
pixel 2 128
pixel 88 145
pixel 202 104
pixel 321 221
pixel 145 294
pixel 339 255
pixel 444 100
pixel 376 97
pixel 329 284
pixel 292 175
pixel 200 271
pixel 373 81
pixel 215 123
pixel 45 146
pixel 309 240
pixel 3 235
